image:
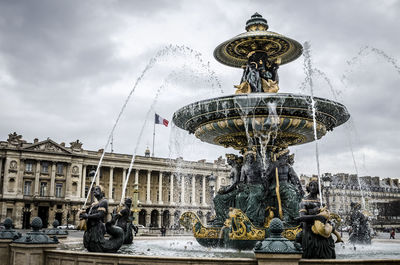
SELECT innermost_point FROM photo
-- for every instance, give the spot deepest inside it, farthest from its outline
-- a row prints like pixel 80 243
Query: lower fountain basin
pixel 288 118
pixel 189 248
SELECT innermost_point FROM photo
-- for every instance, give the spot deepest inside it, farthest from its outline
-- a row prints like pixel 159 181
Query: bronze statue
pixel 226 195
pixel 285 190
pixel 316 236
pixel 259 75
pixel 124 220
pixel 360 232
pixel 93 238
pixel 251 189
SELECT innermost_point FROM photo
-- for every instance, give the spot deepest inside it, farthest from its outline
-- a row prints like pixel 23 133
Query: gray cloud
pixel 66 68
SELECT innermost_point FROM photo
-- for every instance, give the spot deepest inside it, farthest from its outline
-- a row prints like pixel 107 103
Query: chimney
pixel 62 144
pixel 36 140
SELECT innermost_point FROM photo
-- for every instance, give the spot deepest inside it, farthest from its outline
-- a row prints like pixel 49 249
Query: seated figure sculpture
pixel 124 220
pixel 316 236
pixel 290 189
pixel 360 232
pixel 226 195
pixel 93 238
pixel 250 198
pixel 259 75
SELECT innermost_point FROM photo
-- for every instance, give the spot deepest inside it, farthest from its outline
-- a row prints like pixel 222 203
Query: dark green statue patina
pixel 123 219
pixel 360 231
pixel 316 238
pixel 226 196
pixel 260 123
pixel 93 238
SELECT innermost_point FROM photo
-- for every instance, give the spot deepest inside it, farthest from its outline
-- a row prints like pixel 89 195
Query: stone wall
pixel 61 257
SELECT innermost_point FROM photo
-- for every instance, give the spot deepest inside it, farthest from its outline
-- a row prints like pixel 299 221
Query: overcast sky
pixel 67 67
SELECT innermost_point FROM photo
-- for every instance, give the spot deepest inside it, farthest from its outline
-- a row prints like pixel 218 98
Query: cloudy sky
pixel 67 68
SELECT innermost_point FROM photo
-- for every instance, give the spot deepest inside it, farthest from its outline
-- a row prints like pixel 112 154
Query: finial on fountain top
pixel 256 22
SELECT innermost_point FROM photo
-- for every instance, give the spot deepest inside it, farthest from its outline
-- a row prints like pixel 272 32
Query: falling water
pixel 173 76
pixel 166 51
pixel 309 71
pixel 363 52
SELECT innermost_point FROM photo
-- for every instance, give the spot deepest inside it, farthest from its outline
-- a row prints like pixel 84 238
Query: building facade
pixel 50 180
pixel 380 196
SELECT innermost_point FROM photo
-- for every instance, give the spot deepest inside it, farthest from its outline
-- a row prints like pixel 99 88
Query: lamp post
pixel 341 212
pixel 211 184
pixel 326 181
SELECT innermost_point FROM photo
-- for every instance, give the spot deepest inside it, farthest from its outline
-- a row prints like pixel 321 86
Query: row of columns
pixel 148 188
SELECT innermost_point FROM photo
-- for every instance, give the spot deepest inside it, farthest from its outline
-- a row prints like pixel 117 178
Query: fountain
pixel 260 210
pixel 360 231
pixel 261 123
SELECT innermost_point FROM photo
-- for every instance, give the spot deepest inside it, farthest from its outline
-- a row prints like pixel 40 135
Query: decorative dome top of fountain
pixel 257 110
pixel 257 38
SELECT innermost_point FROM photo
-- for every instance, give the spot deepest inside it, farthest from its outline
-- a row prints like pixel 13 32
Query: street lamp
pixel 326 181
pixel 341 212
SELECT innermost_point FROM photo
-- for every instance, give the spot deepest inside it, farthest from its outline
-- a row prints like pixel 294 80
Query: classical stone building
pixel 380 196
pixel 50 180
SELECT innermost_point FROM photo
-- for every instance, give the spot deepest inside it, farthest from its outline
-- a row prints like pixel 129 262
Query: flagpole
pixel 154 135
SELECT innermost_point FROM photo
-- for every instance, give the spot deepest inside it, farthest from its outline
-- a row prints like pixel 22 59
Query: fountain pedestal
pixel 276 249
pixel 30 248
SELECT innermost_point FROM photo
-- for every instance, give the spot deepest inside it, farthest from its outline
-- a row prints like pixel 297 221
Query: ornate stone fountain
pixel 261 123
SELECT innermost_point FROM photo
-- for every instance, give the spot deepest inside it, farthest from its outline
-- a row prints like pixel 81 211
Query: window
pixel 43 188
pixel 86 191
pixel 9 212
pixel 27 188
pixel 45 167
pixel 59 190
pixel 60 169
pixel 28 166
pixel 113 193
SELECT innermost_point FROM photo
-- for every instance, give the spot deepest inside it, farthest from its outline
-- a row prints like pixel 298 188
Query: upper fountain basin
pixel 230 120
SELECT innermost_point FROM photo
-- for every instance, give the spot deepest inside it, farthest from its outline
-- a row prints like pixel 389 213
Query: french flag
pixel 159 120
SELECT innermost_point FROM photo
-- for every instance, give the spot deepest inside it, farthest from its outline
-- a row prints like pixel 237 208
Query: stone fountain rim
pixel 277 96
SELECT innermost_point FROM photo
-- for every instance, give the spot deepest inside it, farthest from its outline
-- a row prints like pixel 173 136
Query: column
pixel 183 189
pixel 148 201
pixel 135 199
pixel 98 177
pixel 136 176
pixel 171 189
pixel 36 190
pixel 20 176
pixel 68 182
pixel 218 184
pixel 148 219
pixel 160 179
pixel 110 184
pixel 193 189
pixel 1 165
pixel 5 182
pixel 159 219
pixel 203 197
pixel 123 180
pixel 83 181
pixel 52 179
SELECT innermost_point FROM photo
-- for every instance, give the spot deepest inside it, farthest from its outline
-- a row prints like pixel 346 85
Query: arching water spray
pixel 309 71
pixel 166 51
pixel 169 79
